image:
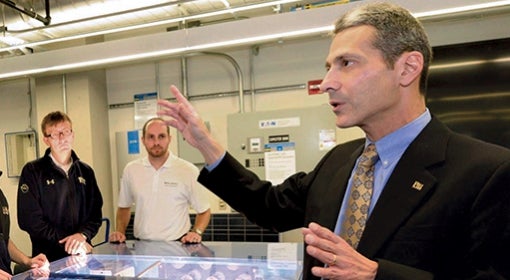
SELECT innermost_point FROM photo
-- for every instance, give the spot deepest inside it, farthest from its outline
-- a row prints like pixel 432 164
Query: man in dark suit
pixel 438 200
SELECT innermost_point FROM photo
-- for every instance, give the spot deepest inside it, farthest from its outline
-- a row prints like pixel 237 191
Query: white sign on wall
pixel 146 107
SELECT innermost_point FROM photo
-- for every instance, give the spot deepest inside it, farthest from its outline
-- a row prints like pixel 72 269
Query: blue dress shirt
pixel 389 148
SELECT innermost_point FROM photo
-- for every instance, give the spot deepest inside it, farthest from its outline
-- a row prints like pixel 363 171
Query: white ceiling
pixel 446 22
pixel 78 17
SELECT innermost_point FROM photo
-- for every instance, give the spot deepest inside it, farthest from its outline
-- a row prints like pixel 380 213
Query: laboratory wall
pixel 282 70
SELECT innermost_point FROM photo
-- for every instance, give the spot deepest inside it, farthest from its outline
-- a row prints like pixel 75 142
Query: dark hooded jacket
pixel 53 205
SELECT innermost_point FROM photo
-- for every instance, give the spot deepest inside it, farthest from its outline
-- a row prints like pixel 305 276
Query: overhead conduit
pixel 45 20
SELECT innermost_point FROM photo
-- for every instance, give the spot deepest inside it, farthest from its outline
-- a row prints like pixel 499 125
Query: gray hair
pixel 397 31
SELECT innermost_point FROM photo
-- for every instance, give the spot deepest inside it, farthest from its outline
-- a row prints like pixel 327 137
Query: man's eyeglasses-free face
pixel 56 134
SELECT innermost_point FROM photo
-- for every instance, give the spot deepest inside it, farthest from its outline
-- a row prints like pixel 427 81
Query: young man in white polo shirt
pixel 162 187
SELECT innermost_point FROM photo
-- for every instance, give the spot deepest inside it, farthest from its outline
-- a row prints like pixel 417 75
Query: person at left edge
pixel 9 251
pixel 59 201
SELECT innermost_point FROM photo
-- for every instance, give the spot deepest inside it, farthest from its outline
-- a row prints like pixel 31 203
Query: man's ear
pixel 46 141
pixel 411 65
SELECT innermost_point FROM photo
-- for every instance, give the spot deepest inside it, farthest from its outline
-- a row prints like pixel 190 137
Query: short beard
pixel 157 155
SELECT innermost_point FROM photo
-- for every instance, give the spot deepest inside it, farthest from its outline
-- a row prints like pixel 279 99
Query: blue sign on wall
pixel 133 142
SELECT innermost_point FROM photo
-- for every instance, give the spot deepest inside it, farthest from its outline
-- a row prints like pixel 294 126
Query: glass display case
pixel 161 260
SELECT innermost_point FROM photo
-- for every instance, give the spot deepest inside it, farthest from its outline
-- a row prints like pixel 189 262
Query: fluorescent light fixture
pixel 470 63
pixel 462 9
pixel 12 41
pixel 289 34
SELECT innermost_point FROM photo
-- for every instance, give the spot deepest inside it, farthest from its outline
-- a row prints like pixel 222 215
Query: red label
pixel 314 87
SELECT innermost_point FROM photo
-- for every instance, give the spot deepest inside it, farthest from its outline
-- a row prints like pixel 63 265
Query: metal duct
pixel 45 20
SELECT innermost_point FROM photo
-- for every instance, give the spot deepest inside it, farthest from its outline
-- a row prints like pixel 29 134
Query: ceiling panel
pixel 74 17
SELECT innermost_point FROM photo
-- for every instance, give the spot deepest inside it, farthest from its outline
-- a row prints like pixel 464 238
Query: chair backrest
pixel 105 225
pixel 130 234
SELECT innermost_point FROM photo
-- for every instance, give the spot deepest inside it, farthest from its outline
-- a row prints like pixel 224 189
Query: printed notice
pixel 280 161
pixel 146 107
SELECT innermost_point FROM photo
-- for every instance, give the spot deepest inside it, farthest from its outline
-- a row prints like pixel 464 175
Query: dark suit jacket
pixel 443 213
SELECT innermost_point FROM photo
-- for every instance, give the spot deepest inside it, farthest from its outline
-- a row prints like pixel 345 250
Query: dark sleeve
pixel 391 270
pixel 276 207
pixel 30 212
pixel 488 254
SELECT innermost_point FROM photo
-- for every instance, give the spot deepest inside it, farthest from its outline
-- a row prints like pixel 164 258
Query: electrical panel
pixel 188 152
pixel 281 142
pixel 276 144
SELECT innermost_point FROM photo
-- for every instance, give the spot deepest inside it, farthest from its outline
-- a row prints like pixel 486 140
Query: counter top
pixel 174 260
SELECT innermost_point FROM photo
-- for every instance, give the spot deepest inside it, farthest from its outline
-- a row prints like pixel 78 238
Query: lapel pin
pixel 82 180
pixel 417 185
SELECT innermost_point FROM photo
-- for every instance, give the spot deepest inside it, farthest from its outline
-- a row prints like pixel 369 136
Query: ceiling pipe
pixel 45 20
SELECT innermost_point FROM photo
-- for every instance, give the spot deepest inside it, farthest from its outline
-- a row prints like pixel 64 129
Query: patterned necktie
pixel 356 213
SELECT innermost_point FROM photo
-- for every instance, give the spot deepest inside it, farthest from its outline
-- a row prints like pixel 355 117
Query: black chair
pixel 106 228
pixel 130 234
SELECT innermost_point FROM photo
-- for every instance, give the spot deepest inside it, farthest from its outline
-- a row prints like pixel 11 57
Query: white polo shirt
pixel 162 197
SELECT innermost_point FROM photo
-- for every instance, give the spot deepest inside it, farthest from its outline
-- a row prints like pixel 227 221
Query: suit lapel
pixel 406 189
